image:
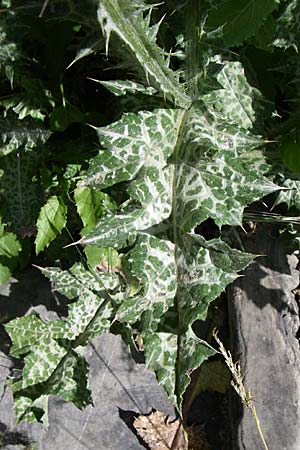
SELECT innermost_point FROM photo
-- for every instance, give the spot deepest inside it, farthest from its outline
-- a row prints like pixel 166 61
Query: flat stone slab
pixel 265 325
pixel 120 387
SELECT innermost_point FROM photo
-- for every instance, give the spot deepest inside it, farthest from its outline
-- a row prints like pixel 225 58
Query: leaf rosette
pixel 194 159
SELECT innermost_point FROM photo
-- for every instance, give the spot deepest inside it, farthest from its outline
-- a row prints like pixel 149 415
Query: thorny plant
pixel 190 133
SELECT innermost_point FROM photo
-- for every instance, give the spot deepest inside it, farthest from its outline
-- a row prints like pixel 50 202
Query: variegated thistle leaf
pixel 184 277
pixel 120 87
pixel 134 152
pixel 20 194
pixel 212 173
pixel 126 20
pixel 152 263
pixel 234 99
pixel 21 135
pixel 52 363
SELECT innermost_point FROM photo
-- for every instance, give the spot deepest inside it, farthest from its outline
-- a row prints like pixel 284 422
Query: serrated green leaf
pixel 91 205
pixel 10 248
pixel 103 259
pixel 240 18
pixel 288 27
pixel 52 219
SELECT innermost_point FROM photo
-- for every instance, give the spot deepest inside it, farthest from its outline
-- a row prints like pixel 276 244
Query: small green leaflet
pixel 52 219
pixel 240 18
pixel 91 205
pixel 9 250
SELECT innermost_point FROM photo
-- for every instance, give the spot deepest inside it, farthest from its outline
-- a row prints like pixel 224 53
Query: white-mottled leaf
pixel 134 152
pixel 21 134
pixel 131 143
pixel 52 364
pixel 234 101
pixel 120 87
pixel 126 20
pixel 152 263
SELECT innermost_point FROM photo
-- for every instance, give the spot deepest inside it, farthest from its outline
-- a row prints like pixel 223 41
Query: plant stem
pixel 257 422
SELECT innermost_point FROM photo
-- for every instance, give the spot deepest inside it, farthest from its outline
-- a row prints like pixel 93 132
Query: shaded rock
pixel 264 322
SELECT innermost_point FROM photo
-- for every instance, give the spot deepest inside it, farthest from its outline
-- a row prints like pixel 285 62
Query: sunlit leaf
pixel 52 219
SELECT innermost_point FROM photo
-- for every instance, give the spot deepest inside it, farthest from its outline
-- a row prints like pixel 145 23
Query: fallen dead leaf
pixel 161 433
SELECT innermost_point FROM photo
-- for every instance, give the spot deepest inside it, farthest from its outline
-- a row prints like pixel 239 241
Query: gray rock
pixel 264 324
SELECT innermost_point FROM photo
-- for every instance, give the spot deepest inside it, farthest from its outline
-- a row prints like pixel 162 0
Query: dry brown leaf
pixel 160 432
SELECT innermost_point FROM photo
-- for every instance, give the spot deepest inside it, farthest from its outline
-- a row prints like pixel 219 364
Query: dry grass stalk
pixel 238 385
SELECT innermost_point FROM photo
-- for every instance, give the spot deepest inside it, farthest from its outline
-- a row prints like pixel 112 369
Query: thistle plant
pixel 185 149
